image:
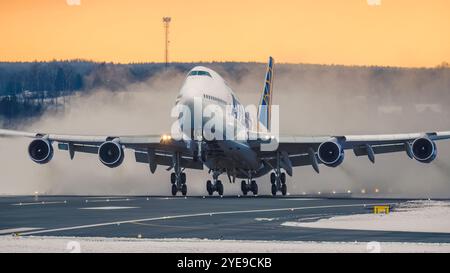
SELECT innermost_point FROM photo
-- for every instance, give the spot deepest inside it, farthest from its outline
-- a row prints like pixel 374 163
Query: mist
pixel 313 99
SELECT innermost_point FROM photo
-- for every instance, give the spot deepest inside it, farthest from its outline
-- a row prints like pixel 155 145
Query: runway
pixel 228 218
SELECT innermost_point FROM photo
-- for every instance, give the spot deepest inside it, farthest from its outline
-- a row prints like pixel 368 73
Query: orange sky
pixel 395 33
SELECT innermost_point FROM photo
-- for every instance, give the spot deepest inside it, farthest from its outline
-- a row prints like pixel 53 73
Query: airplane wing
pixel 291 151
pixel 294 151
pixel 150 149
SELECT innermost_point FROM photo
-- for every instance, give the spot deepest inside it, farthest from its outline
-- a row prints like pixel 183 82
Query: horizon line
pixel 443 64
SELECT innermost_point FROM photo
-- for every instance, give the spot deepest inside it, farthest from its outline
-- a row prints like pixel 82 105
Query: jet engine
pixel 40 150
pixel 111 154
pixel 424 150
pixel 330 153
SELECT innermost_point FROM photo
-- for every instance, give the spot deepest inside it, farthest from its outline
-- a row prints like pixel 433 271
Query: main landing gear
pixel 178 177
pixel 214 186
pixel 250 185
pixel 278 182
pixel 178 183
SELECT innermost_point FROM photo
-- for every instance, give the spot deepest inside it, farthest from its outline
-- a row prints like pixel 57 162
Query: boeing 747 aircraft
pixel 242 158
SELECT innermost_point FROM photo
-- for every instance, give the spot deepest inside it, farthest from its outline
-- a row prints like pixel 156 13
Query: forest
pixel 28 89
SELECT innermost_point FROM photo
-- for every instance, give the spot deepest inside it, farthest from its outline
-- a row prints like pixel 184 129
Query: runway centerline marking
pixel 196 215
pixel 40 203
pixel 108 200
pixel 108 208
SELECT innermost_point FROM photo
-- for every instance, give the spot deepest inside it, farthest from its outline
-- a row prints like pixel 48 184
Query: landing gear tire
pixel 178 183
pixel 274 189
pixel 254 187
pixel 244 187
pixel 219 186
pixel 283 189
pixel 273 178
pixel 174 189
pixel 184 190
pixel 209 187
pixel 283 178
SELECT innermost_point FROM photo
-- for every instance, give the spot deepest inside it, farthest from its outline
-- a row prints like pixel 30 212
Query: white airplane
pixel 243 159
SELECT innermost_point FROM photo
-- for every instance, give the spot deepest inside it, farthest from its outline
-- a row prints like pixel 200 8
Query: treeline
pixel 43 78
pixel 52 79
pixel 27 89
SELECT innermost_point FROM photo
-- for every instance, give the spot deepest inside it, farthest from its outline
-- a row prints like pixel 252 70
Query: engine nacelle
pixel 330 153
pixel 424 150
pixel 40 151
pixel 111 154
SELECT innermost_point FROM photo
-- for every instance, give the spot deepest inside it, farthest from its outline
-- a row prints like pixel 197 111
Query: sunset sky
pixel 362 32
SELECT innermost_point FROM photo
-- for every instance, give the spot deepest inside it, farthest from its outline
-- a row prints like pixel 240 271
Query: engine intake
pixel 40 151
pixel 330 153
pixel 111 154
pixel 424 150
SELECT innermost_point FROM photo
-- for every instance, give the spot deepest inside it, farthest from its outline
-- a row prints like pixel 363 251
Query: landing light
pixel 166 137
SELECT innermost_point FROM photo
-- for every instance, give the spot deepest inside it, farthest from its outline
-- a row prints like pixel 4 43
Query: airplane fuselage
pixel 208 97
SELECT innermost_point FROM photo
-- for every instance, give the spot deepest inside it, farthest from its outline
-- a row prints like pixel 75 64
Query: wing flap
pixel 295 160
pixel 89 149
pixel 300 160
pixel 165 160
pixel 380 149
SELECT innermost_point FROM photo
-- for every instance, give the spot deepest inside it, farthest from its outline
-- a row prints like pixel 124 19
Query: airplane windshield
pixel 199 73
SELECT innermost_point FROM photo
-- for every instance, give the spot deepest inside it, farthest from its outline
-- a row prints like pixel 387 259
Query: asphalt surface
pixel 232 218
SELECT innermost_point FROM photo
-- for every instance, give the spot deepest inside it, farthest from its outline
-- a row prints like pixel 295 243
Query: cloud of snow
pixel 314 100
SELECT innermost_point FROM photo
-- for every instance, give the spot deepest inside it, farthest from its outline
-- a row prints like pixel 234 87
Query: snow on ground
pixel 265 219
pixel 93 244
pixel 413 216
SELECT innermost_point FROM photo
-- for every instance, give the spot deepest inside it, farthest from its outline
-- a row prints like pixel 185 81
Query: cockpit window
pixel 199 73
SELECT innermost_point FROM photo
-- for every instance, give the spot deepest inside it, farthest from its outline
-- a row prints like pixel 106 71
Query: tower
pixel 166 22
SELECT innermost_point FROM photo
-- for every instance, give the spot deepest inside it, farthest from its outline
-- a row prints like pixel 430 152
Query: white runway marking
pixel 39 203
pixel 109 208
pixel 15 230
pixel 109 200
pixel 195 215
pixel 170 198
pixel 106 197
pixel 298 199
